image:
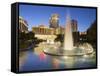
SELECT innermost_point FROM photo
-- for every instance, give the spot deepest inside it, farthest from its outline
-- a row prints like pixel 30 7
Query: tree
pixel 22 36
pixel 30 35
pixel 60 37
pixel 92 33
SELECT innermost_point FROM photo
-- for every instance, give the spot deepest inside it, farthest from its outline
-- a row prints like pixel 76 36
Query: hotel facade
pixel 23 26
pixel 54 21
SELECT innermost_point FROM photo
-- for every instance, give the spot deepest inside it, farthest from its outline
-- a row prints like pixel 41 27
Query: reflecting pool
pixel 35 59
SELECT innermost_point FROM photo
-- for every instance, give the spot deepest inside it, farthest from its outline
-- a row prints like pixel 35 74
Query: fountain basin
pixel 86 49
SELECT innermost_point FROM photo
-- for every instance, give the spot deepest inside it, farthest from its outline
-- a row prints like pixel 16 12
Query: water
pixel 68 40
pixel 35 59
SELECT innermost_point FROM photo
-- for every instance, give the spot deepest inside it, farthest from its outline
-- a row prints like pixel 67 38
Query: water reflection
pixel 22 58
pixel 55 63
pixel 35 59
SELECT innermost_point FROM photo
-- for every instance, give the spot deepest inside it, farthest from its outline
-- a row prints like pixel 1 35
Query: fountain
pixel 68 49
pixel 68 41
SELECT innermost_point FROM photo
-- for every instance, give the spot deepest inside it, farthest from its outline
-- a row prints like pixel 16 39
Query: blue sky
pixel 36 15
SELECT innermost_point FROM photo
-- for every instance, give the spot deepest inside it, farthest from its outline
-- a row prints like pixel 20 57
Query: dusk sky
pixel 36 15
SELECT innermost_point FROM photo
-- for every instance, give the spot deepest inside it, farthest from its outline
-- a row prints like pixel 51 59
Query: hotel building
pixel 23 26
pixel 54 21
pixel 74 25
pixel 43 30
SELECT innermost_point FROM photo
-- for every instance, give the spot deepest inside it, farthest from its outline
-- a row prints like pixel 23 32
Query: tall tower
pixel 75 31
pixel 54 21
pixel 68 39
pixel 74 25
